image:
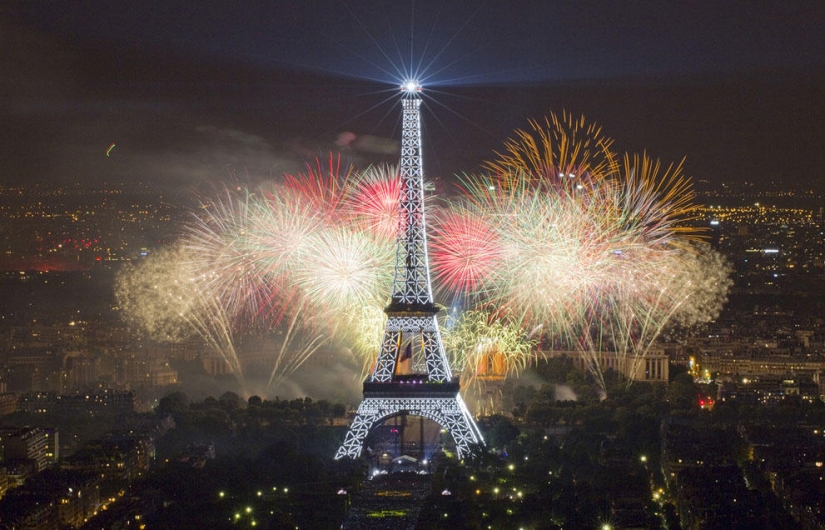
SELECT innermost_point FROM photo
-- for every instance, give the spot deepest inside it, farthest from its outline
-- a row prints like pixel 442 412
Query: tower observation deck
pixel 412 375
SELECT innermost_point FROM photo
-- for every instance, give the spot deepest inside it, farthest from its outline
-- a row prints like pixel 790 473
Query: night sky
pixel 199 91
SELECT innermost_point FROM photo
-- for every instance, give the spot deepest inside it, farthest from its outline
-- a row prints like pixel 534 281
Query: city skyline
pixel 190 94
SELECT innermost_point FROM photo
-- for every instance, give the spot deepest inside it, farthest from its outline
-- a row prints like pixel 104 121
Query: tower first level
pixel 439 402
pixel 412 377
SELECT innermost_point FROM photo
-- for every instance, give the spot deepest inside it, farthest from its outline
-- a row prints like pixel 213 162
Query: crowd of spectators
pixel 389 501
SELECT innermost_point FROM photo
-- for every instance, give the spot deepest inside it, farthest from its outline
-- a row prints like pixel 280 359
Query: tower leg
pixel 359 430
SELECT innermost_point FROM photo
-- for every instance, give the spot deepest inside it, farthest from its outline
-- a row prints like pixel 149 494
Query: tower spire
pixel 412 375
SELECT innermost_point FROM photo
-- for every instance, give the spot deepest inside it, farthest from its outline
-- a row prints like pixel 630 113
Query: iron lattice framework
pixel 412 343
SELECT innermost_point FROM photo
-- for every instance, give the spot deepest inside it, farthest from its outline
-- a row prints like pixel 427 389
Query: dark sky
pixel 198 91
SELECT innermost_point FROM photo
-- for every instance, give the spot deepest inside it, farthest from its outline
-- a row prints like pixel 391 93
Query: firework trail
pixel 593 247
pixel 375 201
pixel 170 301
pixel 311 256
pixel 344 265
pixel 564 148
pixel 563 235
pixel 216 247
pixel 481 345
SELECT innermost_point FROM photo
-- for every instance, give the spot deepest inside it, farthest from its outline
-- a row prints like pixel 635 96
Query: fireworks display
pixel 310 257
pixel 482 345
pixel 593 247
pixel 170 300
pixel 561 235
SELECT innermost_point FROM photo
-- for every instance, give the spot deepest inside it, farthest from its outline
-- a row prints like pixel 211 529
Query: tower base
pixel 448 410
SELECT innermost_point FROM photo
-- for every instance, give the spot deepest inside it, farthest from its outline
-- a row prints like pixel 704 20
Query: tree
pixel 175 403
pixel 501 432
pixel 681 393
pixel 230 401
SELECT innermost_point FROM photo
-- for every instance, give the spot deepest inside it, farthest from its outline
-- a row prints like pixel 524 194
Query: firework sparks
pixel 469 250
pixel 311 256
pixel 344 269
pixel 166 298
pixel 482 345
pixel 595 251
pixel 374 204
pixel 564 237
pixel 564 148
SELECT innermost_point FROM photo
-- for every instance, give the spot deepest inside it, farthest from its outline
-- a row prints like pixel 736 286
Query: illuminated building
pixel 30 443
pixel 653 368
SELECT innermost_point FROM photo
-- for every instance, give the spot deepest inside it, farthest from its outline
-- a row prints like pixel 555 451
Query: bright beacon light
pixel 411 87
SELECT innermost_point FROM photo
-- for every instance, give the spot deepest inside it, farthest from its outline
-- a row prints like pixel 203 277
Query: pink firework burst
pixel 373 204
pixel 323 189
pixel 465 251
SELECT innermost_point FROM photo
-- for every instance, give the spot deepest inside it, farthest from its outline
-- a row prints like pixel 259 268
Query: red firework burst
pixel 325 189
pixel 465 251
pixel 374 202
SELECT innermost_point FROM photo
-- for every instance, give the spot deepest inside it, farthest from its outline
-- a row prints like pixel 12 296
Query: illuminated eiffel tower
pixel 412 375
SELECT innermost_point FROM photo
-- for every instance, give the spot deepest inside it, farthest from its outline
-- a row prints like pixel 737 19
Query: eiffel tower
pixel 412 375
